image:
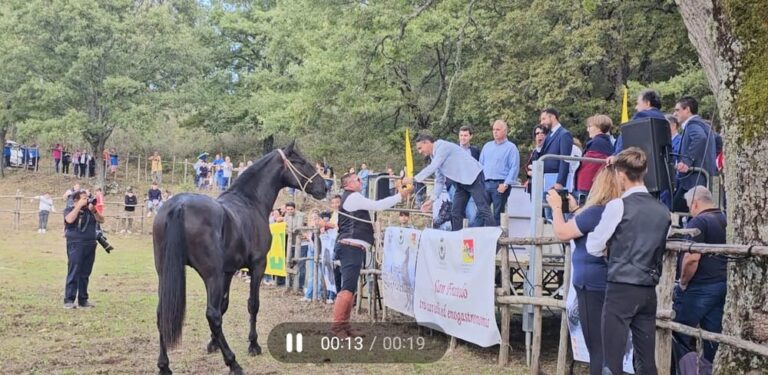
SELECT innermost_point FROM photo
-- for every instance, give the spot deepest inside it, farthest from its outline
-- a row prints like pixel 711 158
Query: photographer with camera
pixel 80 223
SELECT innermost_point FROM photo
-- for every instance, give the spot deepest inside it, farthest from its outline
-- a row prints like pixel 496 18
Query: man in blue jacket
pixel 559 141
pixel 697 149
pixel 648 105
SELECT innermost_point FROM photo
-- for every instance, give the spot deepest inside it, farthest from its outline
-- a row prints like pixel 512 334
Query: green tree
pixel 95 66
pixel 731 38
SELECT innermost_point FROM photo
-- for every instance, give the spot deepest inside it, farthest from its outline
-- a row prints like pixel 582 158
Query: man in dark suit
pixel 559 141
pixel 648 105
pixel 465 137
pixel 697 149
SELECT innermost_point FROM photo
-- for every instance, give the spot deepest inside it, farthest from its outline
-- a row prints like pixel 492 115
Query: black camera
pixel 564 197
pixel 102 240
pixel 91 199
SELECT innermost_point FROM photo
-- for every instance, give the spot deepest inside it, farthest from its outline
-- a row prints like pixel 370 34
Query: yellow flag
pixel 625 107
pixel 408 154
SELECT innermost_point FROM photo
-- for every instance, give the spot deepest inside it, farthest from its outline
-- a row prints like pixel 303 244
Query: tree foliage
pixel 344 77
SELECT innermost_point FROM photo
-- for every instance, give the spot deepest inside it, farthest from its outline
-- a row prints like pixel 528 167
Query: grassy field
pixel 118 336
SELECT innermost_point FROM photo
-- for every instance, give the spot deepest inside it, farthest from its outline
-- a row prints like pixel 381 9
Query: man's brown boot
pixel 348 299
pixel 341 315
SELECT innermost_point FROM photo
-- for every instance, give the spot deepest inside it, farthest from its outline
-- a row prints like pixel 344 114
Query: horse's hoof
pixel 236 370
pixel 212 347
pixel 254 349
pixel 165 371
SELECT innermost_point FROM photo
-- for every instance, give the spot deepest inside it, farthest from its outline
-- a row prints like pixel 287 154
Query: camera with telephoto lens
pixel 102 240
pixel 564 197
pixel 91 199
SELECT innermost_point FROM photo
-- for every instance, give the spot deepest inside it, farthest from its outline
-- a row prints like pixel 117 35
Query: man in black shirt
pixel 80 221
pixel 130 207
pixel 700 293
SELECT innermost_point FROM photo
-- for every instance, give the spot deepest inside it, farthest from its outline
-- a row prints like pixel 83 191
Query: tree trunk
pixel 731 38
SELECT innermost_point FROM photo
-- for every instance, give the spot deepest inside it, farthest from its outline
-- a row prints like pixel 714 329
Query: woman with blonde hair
pixel 589 272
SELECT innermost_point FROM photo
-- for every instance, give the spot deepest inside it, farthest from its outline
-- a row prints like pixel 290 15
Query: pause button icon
pixel 289 343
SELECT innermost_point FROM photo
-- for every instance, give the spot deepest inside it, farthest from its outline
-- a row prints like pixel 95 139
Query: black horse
pixel 217 237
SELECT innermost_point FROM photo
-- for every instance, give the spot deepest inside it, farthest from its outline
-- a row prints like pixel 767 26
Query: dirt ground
pixel 119 335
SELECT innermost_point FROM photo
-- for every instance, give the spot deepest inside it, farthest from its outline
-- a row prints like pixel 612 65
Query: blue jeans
pixel 498 200
pixel 310 271
pixel 700 305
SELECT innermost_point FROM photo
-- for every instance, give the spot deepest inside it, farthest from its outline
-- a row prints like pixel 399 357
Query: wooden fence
pixel 506 296
pixel 136 168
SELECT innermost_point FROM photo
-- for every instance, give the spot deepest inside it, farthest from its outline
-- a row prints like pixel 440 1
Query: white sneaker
pixel 329 301
pixel 39 230
pixel 122 231
pixel 129 232
pixel 45 230
pixel 305 299
pixel 149 214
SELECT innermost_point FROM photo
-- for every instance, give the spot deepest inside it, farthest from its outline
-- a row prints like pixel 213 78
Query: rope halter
pixel 296 172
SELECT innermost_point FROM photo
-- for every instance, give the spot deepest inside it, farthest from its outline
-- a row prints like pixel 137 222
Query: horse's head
pixel 300 174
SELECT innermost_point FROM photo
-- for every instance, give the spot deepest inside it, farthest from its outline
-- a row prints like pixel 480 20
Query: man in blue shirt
pixel 363 173
pixel 449 160
pixel 501 162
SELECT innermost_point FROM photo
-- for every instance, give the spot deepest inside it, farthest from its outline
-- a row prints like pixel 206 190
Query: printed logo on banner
pixel 441 249
pixel 468 251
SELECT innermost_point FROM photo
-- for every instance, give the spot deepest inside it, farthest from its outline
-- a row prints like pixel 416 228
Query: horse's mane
pixel 246 183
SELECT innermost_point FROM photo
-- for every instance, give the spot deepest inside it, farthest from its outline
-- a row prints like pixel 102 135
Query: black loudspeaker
pixel 382 186
pixel 653 136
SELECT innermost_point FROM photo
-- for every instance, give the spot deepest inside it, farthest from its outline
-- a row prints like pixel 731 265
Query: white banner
pixel 398 269
pixel 454 283
pixel 327 242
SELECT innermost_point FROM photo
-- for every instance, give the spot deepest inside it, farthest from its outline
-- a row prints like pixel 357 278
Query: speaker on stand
pixel 653 136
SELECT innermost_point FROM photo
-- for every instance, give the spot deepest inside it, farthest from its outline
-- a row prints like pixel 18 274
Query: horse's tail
pixel 172 290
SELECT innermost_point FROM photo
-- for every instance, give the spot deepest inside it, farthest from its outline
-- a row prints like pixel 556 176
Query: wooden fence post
pixel 185 174
pixel 138 172
pixel 17 211
pixel 127 166
pixel 664 303
pixel 506 288
pixel 173 169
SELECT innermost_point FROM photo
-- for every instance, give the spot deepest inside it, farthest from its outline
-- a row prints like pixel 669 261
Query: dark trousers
pixel 590 317
pixel 80 258
pixel 700 305
pixel 82 168
pixel 65 168
pixel 476 190
pixel 498 200
pixel 303 265
pixel 678 201
pixel 629 307
pixel 56 163
pixel 346 275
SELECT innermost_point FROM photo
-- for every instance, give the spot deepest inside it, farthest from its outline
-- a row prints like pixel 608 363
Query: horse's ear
pixel 289 149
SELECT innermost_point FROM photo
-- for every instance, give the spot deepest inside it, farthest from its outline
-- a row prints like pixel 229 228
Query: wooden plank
pixel 506 288
pixel 537 291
